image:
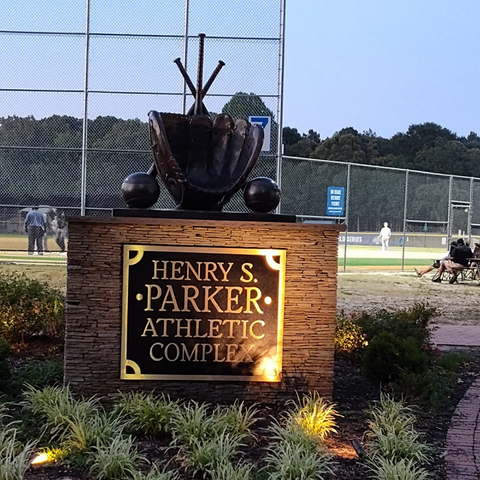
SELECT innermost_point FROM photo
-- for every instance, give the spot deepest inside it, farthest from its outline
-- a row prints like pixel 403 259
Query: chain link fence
pixel 78 79
pixel 423 210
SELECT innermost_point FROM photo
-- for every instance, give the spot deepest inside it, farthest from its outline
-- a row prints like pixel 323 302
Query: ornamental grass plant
pixel 115 460
pixel 80 433
pixel 7 431
pixel 148 414
pixel 395 451
pixel 236 418
pixel 230 471
pixel 156 473
pixel 314 415
pixel 207 455
pixel 76 425
pixel 292 433
pixel 395 446
pixel 386 469
pixel 391 414
pixel 15 458
pixel 285 461
pixel 193 422
pixel 53 403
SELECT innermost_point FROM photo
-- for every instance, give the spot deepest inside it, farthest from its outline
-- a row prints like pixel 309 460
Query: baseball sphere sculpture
pixel 140 190
pixel 261 195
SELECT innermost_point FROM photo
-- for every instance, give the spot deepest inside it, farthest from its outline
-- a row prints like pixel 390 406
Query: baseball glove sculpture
pixel 201 160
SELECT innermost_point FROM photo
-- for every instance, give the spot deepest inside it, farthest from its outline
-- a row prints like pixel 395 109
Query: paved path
pixel 462 456
pixel 457 335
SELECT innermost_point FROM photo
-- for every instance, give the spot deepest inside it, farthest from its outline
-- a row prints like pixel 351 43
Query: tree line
pixel 41 163
pixel 425 147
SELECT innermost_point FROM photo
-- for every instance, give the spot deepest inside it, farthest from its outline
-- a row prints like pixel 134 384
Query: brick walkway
pixel 462 455
pixel 457 335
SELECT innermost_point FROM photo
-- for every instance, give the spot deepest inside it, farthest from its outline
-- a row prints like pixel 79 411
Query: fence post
pixel 185 55
pixel 405 205
pixel 449 213
pixel 347 204
pixel 469 221
pixel 83 182
pixel 281 69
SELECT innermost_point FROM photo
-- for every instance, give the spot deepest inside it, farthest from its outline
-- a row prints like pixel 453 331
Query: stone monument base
pixel 96 286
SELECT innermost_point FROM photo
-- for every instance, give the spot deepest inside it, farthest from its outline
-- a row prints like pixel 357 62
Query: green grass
pixel 32 258
pixel 351 262
pixel 384 262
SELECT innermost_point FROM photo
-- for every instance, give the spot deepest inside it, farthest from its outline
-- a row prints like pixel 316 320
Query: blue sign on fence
pixel 266 123
pixel 335 201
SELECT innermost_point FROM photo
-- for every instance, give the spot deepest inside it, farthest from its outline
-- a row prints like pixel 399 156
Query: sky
pixel 382 65
pixel 368 64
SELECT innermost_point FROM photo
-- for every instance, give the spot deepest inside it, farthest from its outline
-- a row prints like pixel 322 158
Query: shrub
pixel 432 387
pixel 412 322
pixel 39 375
pixel 4 350
pixel 349 337
pixel 452 361
pixel 387 357
pixel 5 373
pixel 29 307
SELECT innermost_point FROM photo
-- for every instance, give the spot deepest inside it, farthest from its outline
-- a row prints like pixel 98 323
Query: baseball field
pixel 14 248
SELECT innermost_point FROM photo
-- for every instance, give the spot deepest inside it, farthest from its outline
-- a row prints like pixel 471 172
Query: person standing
pixel 35 226
pixel 385 234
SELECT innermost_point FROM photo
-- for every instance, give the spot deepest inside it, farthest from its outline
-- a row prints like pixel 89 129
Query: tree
pixel 446 156
pixel 291 136
pixel 344 146
pixel 297 145
pixel 242 105
pixel 417 137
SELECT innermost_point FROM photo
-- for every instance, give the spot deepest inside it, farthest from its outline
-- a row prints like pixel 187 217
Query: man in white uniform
pixel 385 234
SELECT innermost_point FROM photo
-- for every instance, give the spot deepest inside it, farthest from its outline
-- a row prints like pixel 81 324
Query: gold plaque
pixel 202 313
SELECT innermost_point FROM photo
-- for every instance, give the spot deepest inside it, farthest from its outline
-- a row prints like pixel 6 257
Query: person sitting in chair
pixel 456 262
pixel 476 258
pixel 476 250
pixel 436 263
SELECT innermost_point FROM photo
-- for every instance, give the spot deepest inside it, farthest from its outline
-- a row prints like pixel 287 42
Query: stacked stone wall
pixel 94 303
